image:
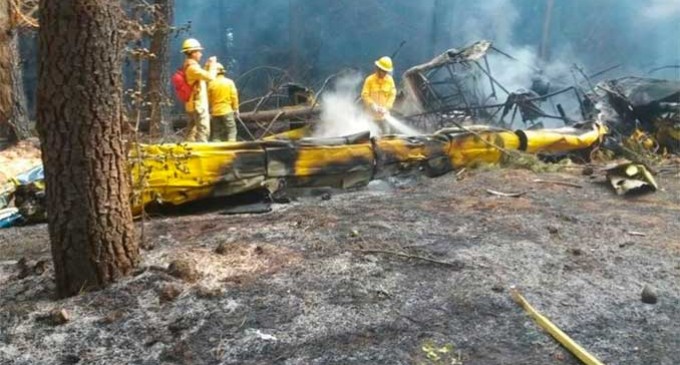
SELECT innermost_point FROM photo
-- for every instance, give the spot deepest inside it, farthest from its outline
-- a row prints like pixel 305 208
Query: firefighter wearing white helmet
pixel 379 92
pixel 198 128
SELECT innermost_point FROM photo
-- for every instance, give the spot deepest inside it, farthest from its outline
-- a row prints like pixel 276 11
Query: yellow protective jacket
pixel 379 91
pixel 196 77
pixel 222 96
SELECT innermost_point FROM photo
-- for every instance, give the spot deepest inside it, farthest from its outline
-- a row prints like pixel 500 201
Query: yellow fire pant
pixel 198 128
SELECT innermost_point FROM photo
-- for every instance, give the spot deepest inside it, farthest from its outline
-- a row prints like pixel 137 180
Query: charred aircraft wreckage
pixel 444 95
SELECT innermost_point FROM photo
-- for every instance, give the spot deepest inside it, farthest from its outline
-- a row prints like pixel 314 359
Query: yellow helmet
pixel 190 45
pixel 220 68
pixel 385 64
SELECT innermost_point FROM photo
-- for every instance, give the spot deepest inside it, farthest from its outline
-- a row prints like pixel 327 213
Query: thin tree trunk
pixel 295 38
pixel 159 67
pixel 19 118
pixel 80 127
pixel 434 30
pixel 13 118
pixel 545 39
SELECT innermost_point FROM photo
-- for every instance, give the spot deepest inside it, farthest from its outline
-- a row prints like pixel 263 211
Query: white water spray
pixel 341 115
pixel 399 127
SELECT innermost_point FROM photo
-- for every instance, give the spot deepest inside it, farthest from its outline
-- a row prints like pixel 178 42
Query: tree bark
pixel 79 116
pixel 158 68
pixel 14 122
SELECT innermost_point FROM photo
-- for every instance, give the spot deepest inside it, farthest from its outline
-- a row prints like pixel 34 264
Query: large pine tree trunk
pixel 158 68
pixel 13 118
pixel 80 126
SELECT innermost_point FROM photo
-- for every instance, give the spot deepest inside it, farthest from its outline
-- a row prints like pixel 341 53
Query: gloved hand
pixel 237 114
pixel 381 111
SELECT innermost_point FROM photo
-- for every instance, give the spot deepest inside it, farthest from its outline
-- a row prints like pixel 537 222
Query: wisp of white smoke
pixel 662 9
pixel 340 114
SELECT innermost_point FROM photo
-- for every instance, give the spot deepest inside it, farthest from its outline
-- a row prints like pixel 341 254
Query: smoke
pixel 662 9
pixel 490 19
pixel 354 32
pixel 497 20
pixel 341 115
pixel 520 74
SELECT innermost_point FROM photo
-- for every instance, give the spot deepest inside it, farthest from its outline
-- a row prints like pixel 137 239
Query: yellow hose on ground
pixel 554 331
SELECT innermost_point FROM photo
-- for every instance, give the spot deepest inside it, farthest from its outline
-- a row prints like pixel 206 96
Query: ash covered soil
pixel 318 281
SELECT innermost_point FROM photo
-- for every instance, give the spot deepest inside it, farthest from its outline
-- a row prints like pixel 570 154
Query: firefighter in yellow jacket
pixel 198 128
pixel 223 98
pixel 379 92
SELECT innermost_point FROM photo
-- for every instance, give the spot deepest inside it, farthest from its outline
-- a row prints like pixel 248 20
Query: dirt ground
pixel 300 285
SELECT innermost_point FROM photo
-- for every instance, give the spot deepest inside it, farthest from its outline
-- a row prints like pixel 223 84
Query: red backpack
pixel 182 88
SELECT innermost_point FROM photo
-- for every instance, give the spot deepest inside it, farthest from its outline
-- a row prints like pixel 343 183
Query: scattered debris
pixel 55 317
pixel 636 234
pixel 563 183
pixel 10 217
pixel 644 107
pixel 208 293
pixel 183 269
pixel 553 330
pixel 649 295
pixel 113 316
pixel 454 85
pixel 498 288
pixel 441 354
pixel 626 244
pixel 587 171
pixel 576 251
pixel 455 265
pixel 630 178
pixel 506 195
pixel 259 334
pixel 40 267
pixel 169 292
pixel 224 248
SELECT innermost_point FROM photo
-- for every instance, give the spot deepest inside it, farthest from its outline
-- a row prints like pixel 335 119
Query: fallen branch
pixel 636 234
pixel 292 112
pixel 505 195
pixel 563 183
pixel 455 265
pixel 554 331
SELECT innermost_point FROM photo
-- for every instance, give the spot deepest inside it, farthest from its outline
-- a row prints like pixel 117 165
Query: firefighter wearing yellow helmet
pixel 379 92
pixel 198 128
pixel 223 98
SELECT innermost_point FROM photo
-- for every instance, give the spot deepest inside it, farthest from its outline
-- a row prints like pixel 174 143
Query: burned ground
pixel 316 281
